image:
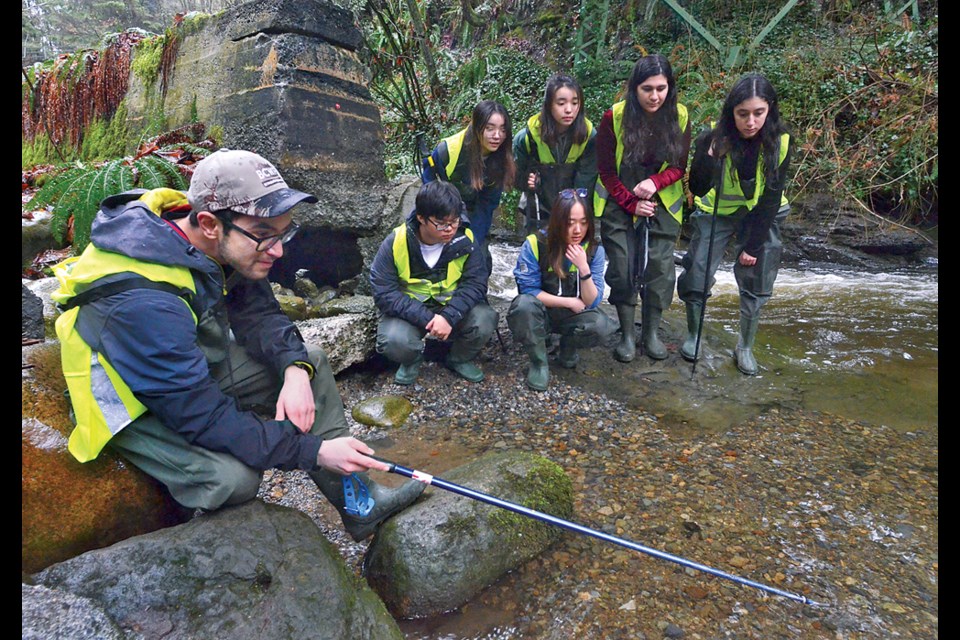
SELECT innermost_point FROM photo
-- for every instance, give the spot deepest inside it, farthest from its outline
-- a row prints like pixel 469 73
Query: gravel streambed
pixel 840 511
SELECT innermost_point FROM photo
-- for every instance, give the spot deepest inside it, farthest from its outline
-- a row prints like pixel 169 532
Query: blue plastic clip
pixel 356 498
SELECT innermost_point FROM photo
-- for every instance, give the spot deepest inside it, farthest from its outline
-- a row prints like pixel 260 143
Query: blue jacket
pixel 153 341
pixel 529 279
pixel 393 302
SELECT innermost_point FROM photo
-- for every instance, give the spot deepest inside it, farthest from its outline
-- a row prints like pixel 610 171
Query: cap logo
pixel 269 177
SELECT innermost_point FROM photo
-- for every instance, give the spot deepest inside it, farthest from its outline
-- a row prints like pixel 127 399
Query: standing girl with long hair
pixel 555 151
pixel 560 283
pixel 642 149
pixel 478 161
pixel 747 157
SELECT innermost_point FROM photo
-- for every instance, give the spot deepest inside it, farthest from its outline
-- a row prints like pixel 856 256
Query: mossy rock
pixel 439 553
pixel 294 306
pixel 383 411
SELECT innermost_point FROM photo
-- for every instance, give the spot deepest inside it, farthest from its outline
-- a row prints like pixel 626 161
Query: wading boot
pixel 568 356
pixel 460 361
pixel 688 350
pixel 385 501
pixel 626 349
pixel 407 373
pixel 650 323
pixel 746 363
pixel 538 375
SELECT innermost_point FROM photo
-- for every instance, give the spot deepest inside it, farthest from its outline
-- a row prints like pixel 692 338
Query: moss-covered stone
pixel 383 411
pixel 446 547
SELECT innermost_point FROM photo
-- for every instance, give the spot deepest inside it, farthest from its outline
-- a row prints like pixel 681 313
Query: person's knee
pixel 398 343
pixel 222 480
pixel 480 323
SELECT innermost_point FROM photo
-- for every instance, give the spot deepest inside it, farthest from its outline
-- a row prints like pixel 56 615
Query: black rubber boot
pixel 387 501
pixel 626 349
pixel 650 323
pixel 746 363
pixel 688 350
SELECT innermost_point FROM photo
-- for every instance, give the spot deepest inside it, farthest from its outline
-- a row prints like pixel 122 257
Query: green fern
pixel 79 190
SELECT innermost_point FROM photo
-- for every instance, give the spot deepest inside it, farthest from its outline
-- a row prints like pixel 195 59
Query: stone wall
pixel 282 78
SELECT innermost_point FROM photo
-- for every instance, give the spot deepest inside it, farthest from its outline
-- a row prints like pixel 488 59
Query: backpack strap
pixel 99 292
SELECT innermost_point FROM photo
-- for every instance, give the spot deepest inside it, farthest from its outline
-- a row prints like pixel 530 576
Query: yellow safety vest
pixel 421 288
pixel 549 281
pixel 103 404
pixel 671 196
pixel 732 198
pixel 544 154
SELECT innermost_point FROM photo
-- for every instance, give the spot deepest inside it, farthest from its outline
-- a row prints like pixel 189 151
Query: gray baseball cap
pixel 243 182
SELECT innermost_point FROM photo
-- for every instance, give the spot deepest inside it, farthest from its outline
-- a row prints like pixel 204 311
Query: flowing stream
pixel 859 345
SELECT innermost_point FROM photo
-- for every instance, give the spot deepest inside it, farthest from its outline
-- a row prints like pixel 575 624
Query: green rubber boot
pixel 460 361
pixel 688 350
pixel 746 363
pixel 538 374
pixel 387 502
pixel 650 323
pixel 407 373
pixel 568 356
pixel 626 349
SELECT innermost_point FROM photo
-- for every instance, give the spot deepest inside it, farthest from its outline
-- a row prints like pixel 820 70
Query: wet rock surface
pixel 68 507
pixel 383 411
pixel 254 571
pixel 445 548
pixel 838 510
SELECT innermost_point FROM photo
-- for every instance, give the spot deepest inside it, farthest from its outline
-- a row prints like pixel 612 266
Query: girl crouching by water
pixel 560 284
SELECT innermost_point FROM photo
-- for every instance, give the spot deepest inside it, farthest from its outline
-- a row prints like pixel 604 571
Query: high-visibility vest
pixel 550 282
pixel 454 147
pixel 671 196
pixel 544 154
pixel 103 403
pixel 732 198
pixel 420 288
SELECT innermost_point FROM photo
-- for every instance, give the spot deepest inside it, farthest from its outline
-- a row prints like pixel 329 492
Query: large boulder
pixel 348 338
pixel 51 613
pixel 440 552
pixel 67 507
pixel 248 572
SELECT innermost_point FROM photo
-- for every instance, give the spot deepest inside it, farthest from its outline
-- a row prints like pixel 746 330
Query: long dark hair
pixel 652 133
pixel 499 167
pixel 557 230
pixel 549 131
pixel 727 138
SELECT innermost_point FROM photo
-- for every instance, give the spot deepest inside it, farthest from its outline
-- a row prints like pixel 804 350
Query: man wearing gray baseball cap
pixel 173 344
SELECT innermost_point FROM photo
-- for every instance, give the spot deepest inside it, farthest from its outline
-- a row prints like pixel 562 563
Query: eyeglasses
pixel 265 243
pixel 444 226
pixel 567 194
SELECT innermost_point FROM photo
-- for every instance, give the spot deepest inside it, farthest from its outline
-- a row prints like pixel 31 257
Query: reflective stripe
pixel 105 395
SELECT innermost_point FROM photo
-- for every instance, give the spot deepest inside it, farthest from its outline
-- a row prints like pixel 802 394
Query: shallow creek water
pixel 818 476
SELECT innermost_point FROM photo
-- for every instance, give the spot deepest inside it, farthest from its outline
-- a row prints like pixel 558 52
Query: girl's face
pixel 750 116
pixel 565 107
pixel 493 134
pixel 652 92
pixel 577 224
